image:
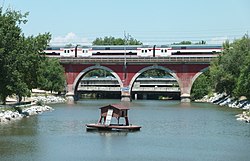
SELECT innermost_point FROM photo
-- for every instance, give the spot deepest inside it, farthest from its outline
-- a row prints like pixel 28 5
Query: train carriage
pixel 195 50
pixel 113 51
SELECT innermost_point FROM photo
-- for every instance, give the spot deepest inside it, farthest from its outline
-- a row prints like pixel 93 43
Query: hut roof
pixel 117 106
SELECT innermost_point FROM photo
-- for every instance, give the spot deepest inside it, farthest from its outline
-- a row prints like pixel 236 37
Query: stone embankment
pixel 225 100
pixel 9 114
pixel 49 99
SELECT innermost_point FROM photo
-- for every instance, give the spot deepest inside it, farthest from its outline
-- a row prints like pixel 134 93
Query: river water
pixel 170 131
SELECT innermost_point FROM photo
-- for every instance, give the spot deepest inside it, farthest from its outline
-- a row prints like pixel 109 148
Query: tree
pixel 98 73
pixel 243 83
pixel 229 71
pixel 201 86
pixel 115 41
pixel 19 56
pixel 155 73
pixel 51 75
pixel 69 45
pixel 183 43
pixel 202 42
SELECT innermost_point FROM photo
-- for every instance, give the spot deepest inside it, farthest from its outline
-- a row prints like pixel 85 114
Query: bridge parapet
pixel 135 89
pixel 137 60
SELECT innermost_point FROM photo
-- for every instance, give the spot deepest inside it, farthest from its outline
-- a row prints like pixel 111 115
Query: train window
pixel 142 51
pixel 146 51
pixel 68 51
pixel 83 51
pixel 165 50
pixel 162 50
pixel 107 48
pixel 65 51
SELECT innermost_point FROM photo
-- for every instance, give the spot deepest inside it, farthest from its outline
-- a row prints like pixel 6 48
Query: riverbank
pixel 9 114
pixel 32 106
pixel 227 101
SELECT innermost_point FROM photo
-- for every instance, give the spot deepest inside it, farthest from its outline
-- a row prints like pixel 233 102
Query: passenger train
pixel 136 51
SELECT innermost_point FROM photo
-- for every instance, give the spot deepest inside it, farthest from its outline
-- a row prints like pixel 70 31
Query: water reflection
pixel 18 137
pixel 113 134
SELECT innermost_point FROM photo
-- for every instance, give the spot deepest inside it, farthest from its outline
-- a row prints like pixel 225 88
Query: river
pixel 170 131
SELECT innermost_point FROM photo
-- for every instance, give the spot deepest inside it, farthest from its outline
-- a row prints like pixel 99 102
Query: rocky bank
pixel 225 100
pixel 37 106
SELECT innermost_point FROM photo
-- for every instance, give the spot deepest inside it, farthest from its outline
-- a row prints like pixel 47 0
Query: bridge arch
pixel 196 76
pixel 88 69
pixel 172 73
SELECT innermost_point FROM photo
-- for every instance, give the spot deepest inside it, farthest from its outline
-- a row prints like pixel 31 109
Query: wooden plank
pixel 109 117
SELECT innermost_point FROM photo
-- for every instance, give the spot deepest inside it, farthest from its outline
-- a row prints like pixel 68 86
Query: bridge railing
pixel 84 60
pixel 135 89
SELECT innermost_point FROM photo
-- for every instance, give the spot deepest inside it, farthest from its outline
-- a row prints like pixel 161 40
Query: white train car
pixel 195 50
pixel 113 51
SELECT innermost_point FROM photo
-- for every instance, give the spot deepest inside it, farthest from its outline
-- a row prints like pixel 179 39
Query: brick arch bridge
pixel 126 70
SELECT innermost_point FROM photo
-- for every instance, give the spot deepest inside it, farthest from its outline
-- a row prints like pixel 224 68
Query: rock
pixel 245 116
pixel 8 116
pixel 49 99
pixel 33 110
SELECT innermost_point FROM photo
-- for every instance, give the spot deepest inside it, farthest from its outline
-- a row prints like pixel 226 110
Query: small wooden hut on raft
pixel 113 111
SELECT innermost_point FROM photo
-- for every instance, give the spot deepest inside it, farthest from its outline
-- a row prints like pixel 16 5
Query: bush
pixel 40 103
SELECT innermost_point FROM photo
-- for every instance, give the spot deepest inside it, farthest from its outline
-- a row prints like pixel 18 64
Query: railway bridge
pixel 127 69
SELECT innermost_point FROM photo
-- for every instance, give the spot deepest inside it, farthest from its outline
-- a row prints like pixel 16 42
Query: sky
pixel 149 21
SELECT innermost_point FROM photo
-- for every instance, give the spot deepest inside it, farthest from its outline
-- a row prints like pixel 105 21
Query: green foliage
pixel 183 43
pixel 20 57
pixel 189 43
pixel 154 73
pixel 230 72
pixel 243 83
pixel 201 86
pixel 51 75
pixel 40 103
pixel 201 42
pixel 99 73
pixel 69 45
pixel 115 41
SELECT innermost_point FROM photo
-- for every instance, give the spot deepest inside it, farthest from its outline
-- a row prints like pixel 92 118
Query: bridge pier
pixel 126 99
pixel 125 96
pixel 185 98
pixel 70 98
pixel 70 95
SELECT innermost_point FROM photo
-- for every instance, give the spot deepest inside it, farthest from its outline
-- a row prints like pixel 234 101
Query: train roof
pixel 115 47
pixel 132 47
pixel 195 46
